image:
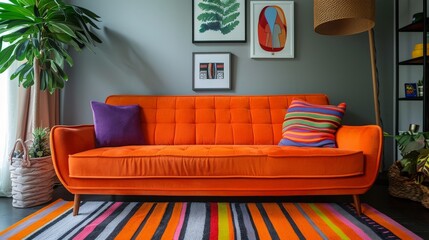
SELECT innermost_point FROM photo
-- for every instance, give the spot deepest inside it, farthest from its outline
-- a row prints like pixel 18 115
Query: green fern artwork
pixel 219 15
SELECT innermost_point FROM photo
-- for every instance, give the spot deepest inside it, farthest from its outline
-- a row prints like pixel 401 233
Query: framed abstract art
pixel 212 71
pixel 272 29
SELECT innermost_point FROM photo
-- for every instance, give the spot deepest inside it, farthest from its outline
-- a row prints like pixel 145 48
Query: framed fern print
pixel 272 29
pixel 218 21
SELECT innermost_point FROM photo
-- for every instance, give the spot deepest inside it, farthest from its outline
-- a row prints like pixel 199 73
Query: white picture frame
pixel 269 18
pixel 211 71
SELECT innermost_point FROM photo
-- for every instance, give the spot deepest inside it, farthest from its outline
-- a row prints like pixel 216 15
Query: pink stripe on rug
pixel 88 229
pixel 181 220
pixel 391 221
pixel 357 230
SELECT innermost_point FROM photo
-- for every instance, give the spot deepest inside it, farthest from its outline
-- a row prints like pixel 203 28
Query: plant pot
pixel 403 187
pixel 420 91
pixel 32 185
pixel 32 178
pixel 425 197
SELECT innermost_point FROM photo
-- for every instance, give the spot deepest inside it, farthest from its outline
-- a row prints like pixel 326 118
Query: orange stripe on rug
pixel 33 227
pixel 279 221
pixel 304 226
pixel 172 224
pixel 152 223
pixel 30 216
pixel 133 224
pixel 389 224
pixel 258 220
pixel 231 222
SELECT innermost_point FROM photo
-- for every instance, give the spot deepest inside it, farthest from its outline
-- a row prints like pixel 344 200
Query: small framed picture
pixel 272 29
pixel 218 21
pixel 410 90
pixel 212 71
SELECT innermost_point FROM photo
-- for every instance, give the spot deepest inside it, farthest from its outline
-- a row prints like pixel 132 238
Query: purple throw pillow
pixel 116 125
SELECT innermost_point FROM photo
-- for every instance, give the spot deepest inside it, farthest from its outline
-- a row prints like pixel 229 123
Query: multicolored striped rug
pixel 195 220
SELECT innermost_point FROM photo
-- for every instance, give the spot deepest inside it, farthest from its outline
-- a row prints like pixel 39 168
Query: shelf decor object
pixel 410 90
pixel 347 17
pixel 418 50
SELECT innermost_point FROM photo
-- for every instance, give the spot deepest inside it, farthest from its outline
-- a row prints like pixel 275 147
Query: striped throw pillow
pixel 311 125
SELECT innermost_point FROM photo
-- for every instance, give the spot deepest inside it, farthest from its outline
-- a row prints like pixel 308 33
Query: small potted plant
pixel 420 88
pixel 408 176
pixel 40 144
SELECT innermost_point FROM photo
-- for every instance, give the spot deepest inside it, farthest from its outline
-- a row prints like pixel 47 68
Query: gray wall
pixel 148 49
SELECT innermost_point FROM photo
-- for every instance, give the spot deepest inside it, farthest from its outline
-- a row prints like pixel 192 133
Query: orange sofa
pixel 215 146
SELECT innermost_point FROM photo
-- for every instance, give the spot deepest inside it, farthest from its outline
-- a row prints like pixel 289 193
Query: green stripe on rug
pixel 223 221
pixel 334 227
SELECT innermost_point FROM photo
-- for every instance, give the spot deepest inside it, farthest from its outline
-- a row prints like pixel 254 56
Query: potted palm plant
pixel 38 33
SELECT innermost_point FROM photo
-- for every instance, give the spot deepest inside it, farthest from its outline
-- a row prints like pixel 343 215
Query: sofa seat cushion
pixel 215 161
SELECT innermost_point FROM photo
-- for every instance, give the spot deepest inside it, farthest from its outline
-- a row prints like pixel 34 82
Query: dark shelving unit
pixel 413 27
pixel 410 99
pixel 419 27
pixel 413 61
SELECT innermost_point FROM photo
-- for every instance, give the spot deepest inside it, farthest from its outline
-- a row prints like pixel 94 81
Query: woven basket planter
pixel 425 197
pixel 403 187
pixel 32 179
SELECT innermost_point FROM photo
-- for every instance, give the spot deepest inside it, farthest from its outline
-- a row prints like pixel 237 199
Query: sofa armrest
pixel 369 140
pixel 67 140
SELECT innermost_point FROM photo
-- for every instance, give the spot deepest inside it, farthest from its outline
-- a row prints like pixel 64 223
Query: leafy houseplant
pixel 38 34
pixel 415 155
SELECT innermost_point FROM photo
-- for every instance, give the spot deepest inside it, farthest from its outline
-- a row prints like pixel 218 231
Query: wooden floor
pixel 410 214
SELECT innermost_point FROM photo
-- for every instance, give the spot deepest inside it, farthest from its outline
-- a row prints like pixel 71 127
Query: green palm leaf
pixel 231 18
pixel 44 29
pixel 423 162
pixel 17 9
pixel 207 7
pixel 209 16
pixel 228 28
pixel 6 58
pixel 232 8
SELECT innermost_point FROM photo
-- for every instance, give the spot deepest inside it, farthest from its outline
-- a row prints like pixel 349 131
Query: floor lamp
pixel 347 17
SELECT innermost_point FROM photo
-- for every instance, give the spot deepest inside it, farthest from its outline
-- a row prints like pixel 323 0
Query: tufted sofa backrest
pixel 178 120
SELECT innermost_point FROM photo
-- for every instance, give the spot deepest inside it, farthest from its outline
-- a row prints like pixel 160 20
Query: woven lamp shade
pixel 343 17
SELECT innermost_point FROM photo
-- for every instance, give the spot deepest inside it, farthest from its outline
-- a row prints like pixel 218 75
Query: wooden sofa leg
pixel 356 201
pixel 76 204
